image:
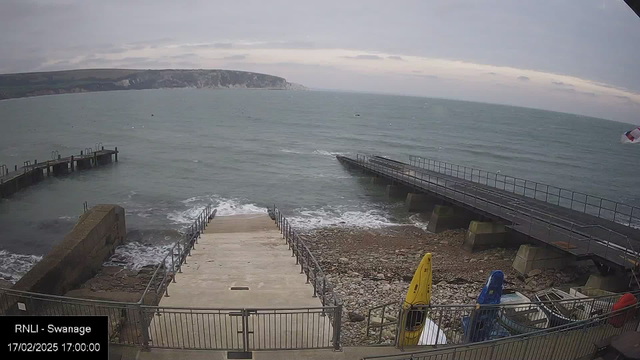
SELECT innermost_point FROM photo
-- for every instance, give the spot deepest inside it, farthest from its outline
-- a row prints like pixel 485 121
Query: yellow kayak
pixel 419 293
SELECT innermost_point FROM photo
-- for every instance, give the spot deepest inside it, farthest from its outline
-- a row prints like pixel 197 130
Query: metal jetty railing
pixel 589 204
pixel 461 324
pixel 566 342
pixel 562 233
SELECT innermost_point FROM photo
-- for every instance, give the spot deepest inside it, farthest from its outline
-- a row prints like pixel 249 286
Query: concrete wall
pixel 484 235
pixel 80 254
pixel 531 257
pixel 447 218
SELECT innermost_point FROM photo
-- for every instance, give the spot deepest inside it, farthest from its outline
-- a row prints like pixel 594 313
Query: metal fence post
pixel 144 328
pixel 315 282
pixel 337 327
pixel 245 330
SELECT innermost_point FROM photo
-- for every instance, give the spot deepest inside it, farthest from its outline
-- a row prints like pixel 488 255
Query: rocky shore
pixel 118 284
pixel 372 267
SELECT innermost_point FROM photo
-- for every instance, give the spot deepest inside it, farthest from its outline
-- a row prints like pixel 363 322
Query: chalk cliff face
pixel 73 81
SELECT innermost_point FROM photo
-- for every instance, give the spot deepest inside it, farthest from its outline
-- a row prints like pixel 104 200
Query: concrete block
pixel 418 202
pixel 611 283
pixel 80 254
pixel 484 235
pixel 448 217
pixel 531 257
pixel 396 191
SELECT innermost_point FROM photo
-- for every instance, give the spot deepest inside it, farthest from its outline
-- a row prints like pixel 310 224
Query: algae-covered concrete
pixel 483 235
pixel 80 254
pixel 447 218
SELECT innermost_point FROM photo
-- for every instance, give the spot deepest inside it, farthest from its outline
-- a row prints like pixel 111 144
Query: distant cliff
pixel 74 81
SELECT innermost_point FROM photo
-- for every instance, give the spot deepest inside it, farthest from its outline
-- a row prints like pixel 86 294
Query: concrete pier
pixel 418 202
pixel 396 191
pixel 380 180
pixel 531 257
pixel 32 173
pixel 447 218
pixel 484 235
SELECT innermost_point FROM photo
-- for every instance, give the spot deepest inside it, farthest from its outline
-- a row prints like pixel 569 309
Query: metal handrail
pixel 538 188
pixel 433 181
pixel 578 325
pixel 314 273
pixel 305 257
pixel 183 246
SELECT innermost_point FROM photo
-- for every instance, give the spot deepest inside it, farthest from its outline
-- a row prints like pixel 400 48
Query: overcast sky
pixel 578 56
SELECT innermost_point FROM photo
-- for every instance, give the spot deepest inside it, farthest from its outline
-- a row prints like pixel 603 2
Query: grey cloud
pixel 566 90
pixel 560 83
pixel 136 59
pixel 574 91
pixel 280 45
pixel 523 78
pixel 257 45
pixel 187 64
pixel 393 57
pixel 182 56
pixel 236 57
pixel 364 57
pixel 491 73
pixel 417 71
pixel 428 76
pixel 116 50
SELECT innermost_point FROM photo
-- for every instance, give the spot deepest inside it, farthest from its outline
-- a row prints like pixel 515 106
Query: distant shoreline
pixel 23 85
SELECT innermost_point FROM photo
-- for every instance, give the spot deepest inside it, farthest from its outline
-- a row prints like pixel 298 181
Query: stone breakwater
pixel 371 267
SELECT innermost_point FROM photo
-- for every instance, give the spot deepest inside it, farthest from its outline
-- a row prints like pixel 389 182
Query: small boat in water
pixel 561 307
pixel 520 316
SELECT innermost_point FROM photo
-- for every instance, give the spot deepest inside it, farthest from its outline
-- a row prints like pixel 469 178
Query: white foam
pixel 186 216
pixel 313 219
pixel 14 266
pixel 418 222
pixel 134 255
pixel 327 153
pixel 235 207
pixel 291 151
pixel 226 207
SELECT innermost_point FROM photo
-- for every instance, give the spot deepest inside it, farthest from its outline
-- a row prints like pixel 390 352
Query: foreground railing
pixel 240 329
pixel 172 263
pixel 567 342
pixel 460 324
pixel 243 329
pixel 593 205
pixel 125 319
pixel 311 268
pixel 558 232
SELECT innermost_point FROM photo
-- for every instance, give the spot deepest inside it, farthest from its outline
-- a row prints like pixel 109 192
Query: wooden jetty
pixel 31 173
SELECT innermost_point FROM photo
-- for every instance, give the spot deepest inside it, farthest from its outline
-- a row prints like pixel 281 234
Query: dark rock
pixel 534 272
pixel 355 317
